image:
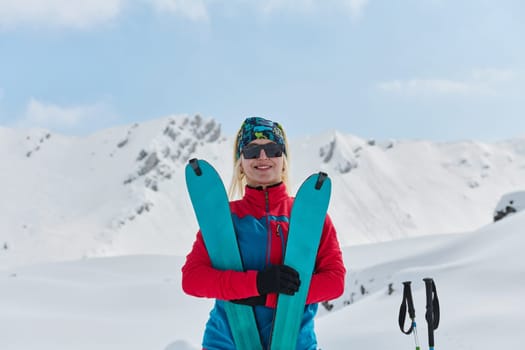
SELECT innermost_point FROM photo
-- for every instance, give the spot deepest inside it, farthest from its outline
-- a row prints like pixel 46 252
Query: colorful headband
pixel 254 128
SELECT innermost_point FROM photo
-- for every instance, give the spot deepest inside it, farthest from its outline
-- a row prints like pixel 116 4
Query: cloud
pixel 192 9
pixel 270 6
pixel 480 82
pixel 494 75
pixel 199 9
pixel 354 7
pixel 59 13
pixel 84 14
pixel 65 118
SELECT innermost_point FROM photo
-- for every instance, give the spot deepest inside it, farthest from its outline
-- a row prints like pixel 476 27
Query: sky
pixel 423 69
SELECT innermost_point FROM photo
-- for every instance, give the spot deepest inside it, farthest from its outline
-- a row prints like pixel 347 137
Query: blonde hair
pixel 238 182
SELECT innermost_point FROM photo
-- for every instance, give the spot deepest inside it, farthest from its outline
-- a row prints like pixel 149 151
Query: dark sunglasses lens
pixel 251 152
pixel 254 151
pixel 273 150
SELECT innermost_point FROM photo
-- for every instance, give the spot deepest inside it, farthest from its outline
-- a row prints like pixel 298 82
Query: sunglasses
pixel 253 151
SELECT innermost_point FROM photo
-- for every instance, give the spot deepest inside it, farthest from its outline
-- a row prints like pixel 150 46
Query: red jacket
pixel 261 220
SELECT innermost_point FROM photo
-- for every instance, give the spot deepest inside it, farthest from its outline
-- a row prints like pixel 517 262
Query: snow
pixel 479 282
pixel 106 303
pixel 136 302
pixel 89 262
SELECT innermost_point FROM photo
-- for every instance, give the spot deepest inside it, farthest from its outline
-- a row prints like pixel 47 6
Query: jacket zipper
pixel 269 231
pixel 280 235
pixel 278 232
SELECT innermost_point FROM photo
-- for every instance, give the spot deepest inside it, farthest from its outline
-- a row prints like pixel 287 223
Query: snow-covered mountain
pixel 122 191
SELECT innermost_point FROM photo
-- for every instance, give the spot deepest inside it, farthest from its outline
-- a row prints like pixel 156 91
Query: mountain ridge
pixel 121 190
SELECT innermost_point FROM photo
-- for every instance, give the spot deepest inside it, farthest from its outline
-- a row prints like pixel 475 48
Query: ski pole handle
pixel 432 310
pixel 407 303
pixel 411 309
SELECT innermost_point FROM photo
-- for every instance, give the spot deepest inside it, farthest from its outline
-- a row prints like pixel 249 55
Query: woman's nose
pixel 262 155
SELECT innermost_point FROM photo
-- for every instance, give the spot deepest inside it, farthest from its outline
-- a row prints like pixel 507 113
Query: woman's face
pixel 263 170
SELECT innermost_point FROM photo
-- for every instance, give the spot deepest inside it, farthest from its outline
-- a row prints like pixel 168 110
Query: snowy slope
pixel 71 197
pixel 121 190
pixel 479 278
pixel 136 302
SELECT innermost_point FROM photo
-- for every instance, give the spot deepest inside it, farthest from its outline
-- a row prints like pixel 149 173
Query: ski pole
pixel 432 312
pixel 408 303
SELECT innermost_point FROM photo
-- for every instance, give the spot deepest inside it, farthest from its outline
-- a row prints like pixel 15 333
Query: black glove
pixel 278 279
pixel 251 301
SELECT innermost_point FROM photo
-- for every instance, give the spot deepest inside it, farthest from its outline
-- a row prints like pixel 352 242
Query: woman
pixel 261 220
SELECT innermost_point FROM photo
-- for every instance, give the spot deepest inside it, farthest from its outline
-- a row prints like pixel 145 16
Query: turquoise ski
pixel 212 209
pixel 306 225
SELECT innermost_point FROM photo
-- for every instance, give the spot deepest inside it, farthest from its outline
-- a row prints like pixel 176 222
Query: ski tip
pixel 194 163
pixel 320 180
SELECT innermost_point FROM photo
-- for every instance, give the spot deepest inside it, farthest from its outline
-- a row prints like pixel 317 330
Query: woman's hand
pixel 280 279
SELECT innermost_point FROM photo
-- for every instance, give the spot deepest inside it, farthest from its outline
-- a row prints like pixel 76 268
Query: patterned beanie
pixel 254 128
